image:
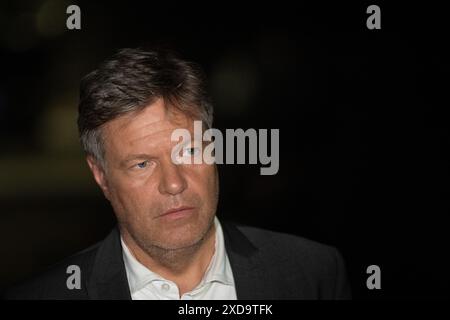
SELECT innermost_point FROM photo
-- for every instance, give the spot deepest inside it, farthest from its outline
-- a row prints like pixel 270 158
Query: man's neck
pixel 185 267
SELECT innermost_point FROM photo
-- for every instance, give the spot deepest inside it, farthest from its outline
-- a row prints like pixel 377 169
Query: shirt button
pixel 165 287
pixel 186 297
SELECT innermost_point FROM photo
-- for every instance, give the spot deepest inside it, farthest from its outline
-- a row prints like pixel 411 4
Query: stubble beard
pixel 173 258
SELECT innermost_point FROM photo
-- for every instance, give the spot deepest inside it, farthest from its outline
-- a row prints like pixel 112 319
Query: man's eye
pixel 191 151
pixel 142 165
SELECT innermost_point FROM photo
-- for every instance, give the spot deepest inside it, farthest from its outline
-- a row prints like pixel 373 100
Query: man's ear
pixel 99 175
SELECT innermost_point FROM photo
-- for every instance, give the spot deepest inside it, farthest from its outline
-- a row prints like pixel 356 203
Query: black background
pixel 364 134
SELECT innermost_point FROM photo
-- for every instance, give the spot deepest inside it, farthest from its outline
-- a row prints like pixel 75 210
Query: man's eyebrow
pixel 135 156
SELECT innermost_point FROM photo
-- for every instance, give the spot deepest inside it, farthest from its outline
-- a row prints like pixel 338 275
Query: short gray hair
pixel 131 80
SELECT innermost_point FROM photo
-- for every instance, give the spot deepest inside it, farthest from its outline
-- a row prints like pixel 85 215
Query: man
pixel 168 243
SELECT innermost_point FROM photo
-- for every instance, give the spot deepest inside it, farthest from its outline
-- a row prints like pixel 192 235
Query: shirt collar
pixel 219 269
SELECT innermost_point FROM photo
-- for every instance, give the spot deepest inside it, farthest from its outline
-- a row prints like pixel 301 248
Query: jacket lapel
pixel 250 274
pixel 108 280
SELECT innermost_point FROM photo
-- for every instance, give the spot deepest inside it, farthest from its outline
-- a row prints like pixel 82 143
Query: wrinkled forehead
pixel 153 124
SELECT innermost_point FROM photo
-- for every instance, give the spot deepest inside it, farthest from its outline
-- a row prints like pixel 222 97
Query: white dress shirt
pixel 216 284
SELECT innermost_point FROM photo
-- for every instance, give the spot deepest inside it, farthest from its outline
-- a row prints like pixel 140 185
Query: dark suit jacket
pixel 265 264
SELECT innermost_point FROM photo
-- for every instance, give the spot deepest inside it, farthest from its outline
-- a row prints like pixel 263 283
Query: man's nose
pixel 172 179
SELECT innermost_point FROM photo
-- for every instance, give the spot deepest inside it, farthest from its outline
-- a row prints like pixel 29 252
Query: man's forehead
pixel 154 120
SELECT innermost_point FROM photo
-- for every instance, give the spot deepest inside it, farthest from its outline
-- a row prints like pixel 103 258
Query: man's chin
pixel 183 239
pixel 179 235
pixel 180 243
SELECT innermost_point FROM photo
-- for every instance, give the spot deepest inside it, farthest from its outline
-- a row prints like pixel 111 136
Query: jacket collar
pixel 251 276
pixel 108 280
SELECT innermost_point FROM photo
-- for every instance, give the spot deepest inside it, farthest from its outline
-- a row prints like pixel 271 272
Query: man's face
pixel 144 185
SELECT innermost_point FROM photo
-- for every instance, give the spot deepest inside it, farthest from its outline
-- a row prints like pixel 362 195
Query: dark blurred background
pixel 362 117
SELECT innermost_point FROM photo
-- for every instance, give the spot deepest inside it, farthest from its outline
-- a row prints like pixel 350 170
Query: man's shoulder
pixel 268 241
pixel 316 266
pixel 52 283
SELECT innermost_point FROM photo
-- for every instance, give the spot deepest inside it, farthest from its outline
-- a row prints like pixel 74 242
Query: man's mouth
pixel 178 212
